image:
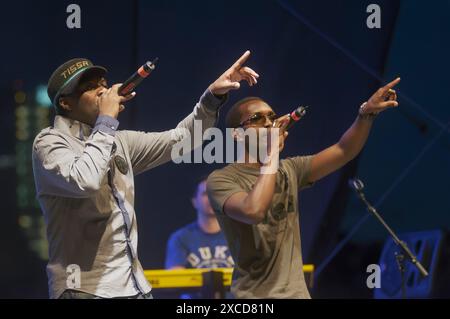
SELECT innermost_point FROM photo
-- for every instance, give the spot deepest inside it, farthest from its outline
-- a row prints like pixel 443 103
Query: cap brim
pixel 70 86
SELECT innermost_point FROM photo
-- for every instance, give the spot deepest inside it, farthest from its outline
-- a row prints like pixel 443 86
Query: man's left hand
pixel 384 98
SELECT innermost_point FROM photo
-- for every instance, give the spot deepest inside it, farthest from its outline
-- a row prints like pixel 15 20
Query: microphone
pixel 130 84
pixel 356 184
pixel 295 116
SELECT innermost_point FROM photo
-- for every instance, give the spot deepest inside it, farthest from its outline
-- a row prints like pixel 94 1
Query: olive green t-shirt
pixel 268 258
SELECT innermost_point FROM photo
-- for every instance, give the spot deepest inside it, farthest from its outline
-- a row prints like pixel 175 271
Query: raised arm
pixel 354 139
pixel 61 171
pixel 251 207
pixel 148 150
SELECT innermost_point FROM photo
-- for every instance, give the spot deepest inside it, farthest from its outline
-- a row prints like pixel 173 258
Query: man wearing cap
pixel 84 169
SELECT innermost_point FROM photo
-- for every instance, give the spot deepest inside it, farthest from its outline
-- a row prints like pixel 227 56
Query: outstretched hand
pixel 384 98
pixel 230 79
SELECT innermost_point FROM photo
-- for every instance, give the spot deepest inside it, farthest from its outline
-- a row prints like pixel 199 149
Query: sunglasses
pixel 259 119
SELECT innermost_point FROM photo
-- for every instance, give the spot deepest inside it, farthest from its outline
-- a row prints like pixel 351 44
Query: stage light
pixel 20 97
pixel 25 221
pixel 41 97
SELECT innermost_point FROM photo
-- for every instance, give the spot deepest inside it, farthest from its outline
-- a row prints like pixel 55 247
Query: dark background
pixel 316 53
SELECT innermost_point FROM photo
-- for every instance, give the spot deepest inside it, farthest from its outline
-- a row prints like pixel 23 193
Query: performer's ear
pixel 64 105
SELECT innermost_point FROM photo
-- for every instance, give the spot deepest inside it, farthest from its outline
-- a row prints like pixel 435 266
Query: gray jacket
pixel 85 185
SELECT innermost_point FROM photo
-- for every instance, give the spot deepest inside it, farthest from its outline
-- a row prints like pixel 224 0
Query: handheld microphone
pixel 130 84
pixel 295 116
pixel 356 184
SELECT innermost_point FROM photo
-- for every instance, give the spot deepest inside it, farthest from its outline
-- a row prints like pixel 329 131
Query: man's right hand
pixel 111 103
pixel 230 79
pixel 281 123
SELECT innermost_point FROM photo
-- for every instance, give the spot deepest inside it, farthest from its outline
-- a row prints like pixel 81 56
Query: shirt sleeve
pixel 176 253
pixel 60 171
pixel 148 150
pixel 220 186
pixel 301 165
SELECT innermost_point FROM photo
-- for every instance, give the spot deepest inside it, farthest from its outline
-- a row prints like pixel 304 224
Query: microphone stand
pixel 404 250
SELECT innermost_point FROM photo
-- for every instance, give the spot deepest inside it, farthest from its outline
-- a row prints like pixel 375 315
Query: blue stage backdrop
pixel 316 53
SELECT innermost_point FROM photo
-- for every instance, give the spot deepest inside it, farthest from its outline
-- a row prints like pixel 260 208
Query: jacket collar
pixel 71 127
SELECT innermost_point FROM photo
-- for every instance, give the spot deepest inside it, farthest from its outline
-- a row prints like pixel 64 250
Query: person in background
pixel 200 244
